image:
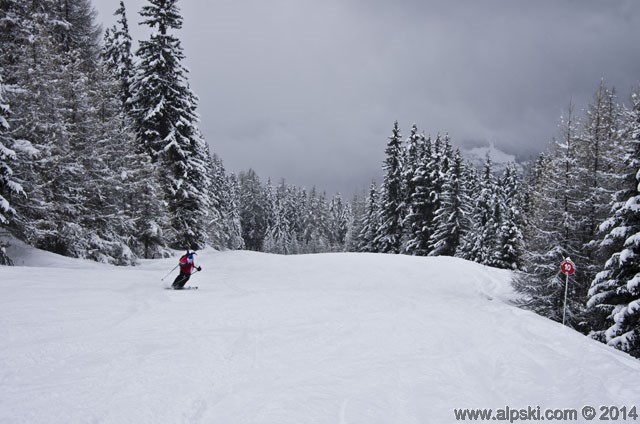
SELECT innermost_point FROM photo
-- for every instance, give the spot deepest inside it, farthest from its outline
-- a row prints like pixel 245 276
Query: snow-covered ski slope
pixel 335 338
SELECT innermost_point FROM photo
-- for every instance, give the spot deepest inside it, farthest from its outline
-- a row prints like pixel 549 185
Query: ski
pixel 183 288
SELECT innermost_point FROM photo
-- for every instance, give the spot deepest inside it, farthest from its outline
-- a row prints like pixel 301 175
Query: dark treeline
pixel 432 203
pixel 101 157
pixel 286 219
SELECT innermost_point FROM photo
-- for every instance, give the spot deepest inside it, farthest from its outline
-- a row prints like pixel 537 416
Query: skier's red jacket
pixel 187 263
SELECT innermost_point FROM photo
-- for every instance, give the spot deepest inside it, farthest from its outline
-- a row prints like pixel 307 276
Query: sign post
pixel 567 267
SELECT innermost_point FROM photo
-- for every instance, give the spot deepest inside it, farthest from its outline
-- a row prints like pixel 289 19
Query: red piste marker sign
pixel 567 267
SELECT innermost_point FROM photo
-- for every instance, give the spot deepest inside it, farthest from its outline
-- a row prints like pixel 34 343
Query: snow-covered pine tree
pixel 615 291
pixel 276 237
pixel 470 189
pixel 90 150
pixel 310 223
pixel 97 135
pixel 599 157
pixel 253 203
pixel 165 111
pixel 541 286
pixel 216 224
pixel 105 225
pixel 118 55
pixel 294 206
pixel 338 225
pixel 230 210
pixel 450 220
pixel 316 224
pixel 62 99
pixel 369 223
pixel 297 213
pixel 129 188
pixel 16 31
pixel 152 223
pixel 357 207
pixel 551 233
pixel 424 202
pixel 599 154
pixel 55 121
pixel 479 242
pixel 440 162
pixel 287 212
pixel 509 238
pixel 24 28
pixel 8 156
pixel 491 211
pixel 236 242
pixel 447 156
pixel 413 154
pixel 75 29
pixel 389 232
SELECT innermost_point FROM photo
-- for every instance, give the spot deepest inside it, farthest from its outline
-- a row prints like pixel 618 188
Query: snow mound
pixel 334 338
pixel 23 254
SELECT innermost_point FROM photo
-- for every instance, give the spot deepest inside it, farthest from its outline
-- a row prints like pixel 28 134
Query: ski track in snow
pixel 334 338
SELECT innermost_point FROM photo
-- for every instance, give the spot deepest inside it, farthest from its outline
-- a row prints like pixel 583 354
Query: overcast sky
pixel 308 90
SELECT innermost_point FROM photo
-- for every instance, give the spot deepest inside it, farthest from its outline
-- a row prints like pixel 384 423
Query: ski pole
pixel 162 279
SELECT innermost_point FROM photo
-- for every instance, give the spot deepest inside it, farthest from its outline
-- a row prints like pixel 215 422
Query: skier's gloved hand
pixel 199 268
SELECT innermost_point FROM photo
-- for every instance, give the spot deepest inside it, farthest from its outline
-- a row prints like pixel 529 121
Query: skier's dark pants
pixel 180 280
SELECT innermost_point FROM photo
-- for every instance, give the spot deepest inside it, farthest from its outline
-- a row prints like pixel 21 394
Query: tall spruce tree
pixel 615 291
pixel 226 225
pixel 76 30
pixel 479 243
pixel 63 47
pixel 389 233
pixel 412 157
pixel 509 239
pixel 8 186
pixel 470 190
pixel 118 55
pixel 15 36
pixel 253 204
pixel 33 118
pixel 450 220
pixel 339 221
pixel 357 207
pixel 130 185
pixel 165 111
pixel 369 223
pixel 552 232
pixel 600 154
pixel 424 202
pixel 278 237
pixel 316 224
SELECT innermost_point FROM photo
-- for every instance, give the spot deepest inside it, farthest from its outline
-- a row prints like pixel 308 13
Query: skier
pixel 187 264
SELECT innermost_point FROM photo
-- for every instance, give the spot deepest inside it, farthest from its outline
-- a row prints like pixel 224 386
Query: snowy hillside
pixel 335 338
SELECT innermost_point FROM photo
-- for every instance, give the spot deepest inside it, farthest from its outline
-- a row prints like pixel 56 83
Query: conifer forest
pixel 101 157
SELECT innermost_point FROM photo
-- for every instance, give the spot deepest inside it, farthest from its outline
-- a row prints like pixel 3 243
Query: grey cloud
pixel 308 90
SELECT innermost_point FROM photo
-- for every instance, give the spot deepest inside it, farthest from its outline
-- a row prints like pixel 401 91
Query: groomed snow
pixel 335 338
